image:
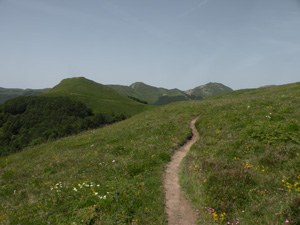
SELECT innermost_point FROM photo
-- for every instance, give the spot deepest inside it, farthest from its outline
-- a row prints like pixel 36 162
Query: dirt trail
pixel 179 210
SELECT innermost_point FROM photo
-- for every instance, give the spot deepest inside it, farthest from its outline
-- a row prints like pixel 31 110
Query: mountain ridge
pixel 159 96
pixel 137 90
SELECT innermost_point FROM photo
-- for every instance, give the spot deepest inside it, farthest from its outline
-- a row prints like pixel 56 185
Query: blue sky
pixel 168 43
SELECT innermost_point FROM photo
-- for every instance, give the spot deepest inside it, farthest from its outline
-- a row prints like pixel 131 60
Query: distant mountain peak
pixel 139 84
pixel 209 89
pixel 78 79
pixel 157 95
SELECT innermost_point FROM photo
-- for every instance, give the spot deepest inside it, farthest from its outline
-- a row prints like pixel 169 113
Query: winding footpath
pixel 179 210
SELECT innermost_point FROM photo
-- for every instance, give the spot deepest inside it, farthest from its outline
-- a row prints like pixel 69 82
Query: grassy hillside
pixel 98 97
pixel 126 91
pixel 112 175
pixel 10 93
pixel 166 99
pixel 246 167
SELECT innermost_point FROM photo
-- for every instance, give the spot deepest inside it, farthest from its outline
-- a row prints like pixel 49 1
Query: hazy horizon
pixel 170 44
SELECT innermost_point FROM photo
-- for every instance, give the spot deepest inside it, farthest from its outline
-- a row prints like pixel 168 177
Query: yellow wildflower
pixel 222 217
pixel 215 216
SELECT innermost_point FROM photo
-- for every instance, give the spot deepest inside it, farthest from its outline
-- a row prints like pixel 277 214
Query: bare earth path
pixel 178 209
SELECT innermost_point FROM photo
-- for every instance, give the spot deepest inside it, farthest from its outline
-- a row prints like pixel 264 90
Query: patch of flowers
pixel 247 165
pixel 220 218
pixel 89 188
pixel 261 169
pixel 57 187
pixel 217 217
pixel 269 116
pixel 292 186
pixel 258 168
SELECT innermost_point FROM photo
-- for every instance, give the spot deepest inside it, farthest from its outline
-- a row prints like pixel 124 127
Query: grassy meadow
pixel 111 175
pixel 245 169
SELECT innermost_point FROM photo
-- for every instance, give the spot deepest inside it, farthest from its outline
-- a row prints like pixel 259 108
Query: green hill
pixel 10 93
pixel 209 89
pixel 245 166
pixel 98 97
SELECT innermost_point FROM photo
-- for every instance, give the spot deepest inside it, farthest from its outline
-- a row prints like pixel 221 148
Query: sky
pixel 166 43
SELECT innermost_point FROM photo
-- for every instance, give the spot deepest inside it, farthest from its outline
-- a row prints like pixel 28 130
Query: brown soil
pixel 179 210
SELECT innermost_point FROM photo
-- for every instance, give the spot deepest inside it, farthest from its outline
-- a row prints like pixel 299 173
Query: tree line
pixel 27 121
